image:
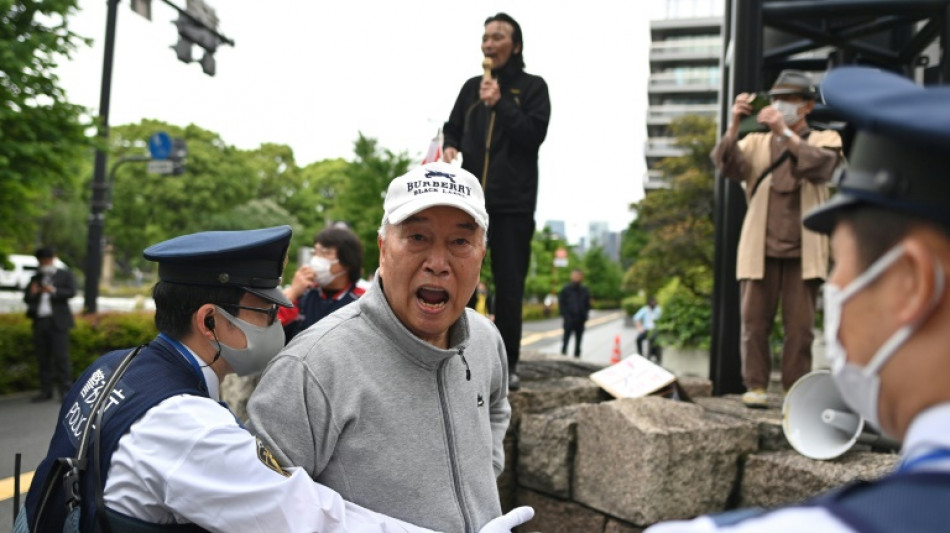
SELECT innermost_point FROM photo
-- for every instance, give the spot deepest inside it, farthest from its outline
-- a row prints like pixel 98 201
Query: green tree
pixel 543 275
pixel 678 254
pixel 360 199
pixel 679 220
pixel 632 242
pixel 147 208
pixel 602 275
pixel 41 133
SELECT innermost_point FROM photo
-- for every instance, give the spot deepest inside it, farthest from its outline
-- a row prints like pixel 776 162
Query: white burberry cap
pixel 431 185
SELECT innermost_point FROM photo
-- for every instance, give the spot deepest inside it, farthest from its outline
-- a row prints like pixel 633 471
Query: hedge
pixel 94 335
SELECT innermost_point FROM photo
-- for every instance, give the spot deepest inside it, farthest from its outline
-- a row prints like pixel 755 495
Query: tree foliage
pixel 543 275
pixel 602 275
pixel 358 200
pixel 679 220
pixel 632 242
pixel 41 133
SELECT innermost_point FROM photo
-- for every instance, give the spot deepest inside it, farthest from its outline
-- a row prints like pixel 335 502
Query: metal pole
pixel 94 242
pixel 743 33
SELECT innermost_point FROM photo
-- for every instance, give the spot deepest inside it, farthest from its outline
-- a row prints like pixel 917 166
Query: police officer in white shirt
pixel 887 308
pixel 167 456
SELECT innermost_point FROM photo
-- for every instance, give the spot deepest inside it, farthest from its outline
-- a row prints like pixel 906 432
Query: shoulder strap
pixel 72 467
pixel 768 170
pixel 775 164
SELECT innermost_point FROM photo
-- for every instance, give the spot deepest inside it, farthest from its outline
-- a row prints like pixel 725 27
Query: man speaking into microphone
pixel 498 124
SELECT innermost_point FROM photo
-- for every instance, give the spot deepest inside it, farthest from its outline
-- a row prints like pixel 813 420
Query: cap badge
pixel 437 174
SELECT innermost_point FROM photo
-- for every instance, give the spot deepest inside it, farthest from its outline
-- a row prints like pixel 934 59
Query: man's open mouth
pixel 433 299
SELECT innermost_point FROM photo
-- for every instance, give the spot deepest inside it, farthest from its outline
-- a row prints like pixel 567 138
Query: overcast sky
pixel 311 74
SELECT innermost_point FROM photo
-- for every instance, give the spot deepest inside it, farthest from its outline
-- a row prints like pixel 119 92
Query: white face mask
pixel 322 265
pixel 788 110
pixel 861 386
pixel 48 270
pixel 263 343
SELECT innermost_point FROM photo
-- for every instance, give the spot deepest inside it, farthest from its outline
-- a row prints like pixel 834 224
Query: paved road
pixel 600 336
pixel 12 302
pixel 28 427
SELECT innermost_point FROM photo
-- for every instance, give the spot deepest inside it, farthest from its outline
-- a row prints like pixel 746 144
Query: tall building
pixel 557 228
pixel 684 75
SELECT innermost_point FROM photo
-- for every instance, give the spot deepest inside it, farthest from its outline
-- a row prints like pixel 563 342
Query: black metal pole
pixel 742 33
pixel 94 242
pixel 16 486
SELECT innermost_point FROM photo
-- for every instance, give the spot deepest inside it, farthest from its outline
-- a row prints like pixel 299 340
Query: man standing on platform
pixel 785 172
pixel 498 124
pixel 887 309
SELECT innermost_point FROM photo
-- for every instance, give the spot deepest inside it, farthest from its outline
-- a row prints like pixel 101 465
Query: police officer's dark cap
pixel 793 82
pixel 900 157
pixel 252 260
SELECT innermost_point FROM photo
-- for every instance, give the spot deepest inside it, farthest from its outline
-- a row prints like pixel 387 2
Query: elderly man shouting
pixel 400 401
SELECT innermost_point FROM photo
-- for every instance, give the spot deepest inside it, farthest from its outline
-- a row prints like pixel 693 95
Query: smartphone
pixel 759 101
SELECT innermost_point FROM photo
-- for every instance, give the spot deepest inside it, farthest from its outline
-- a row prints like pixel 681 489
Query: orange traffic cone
pixel 615 357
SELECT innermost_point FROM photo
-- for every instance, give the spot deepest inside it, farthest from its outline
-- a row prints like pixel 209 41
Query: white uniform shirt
pixel 188 461
pixel 929 431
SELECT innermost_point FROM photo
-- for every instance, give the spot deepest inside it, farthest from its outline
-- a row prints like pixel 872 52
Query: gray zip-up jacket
pixel 391 422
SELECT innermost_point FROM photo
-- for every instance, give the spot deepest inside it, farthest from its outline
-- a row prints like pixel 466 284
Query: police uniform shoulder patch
pixel 269 460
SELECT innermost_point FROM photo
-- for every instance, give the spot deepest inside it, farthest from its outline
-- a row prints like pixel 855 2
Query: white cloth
pixel 45 306
pixel 928 432
pixel 188 461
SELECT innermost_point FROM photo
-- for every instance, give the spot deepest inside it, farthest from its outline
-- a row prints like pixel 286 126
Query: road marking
pixel 7 485
pixel 535 337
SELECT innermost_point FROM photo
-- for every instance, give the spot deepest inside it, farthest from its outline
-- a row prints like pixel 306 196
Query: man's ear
pixel 204 321
pixel 921 284
pixel 382 253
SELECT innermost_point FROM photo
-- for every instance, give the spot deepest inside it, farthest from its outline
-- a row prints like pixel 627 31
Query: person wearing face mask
pixel 887 308
pixel 785 172
pixel 168 456
pixel 328 283
pixel 47 304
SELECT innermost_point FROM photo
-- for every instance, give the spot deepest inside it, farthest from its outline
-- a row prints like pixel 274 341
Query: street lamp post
pixel 94 242
pixel 202 22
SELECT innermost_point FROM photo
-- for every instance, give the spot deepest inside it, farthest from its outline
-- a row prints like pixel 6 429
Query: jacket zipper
pixel 453 454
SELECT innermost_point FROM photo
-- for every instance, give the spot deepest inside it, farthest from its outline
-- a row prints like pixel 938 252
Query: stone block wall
pixel 589 463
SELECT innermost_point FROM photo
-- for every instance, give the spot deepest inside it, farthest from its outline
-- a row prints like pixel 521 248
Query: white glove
pixel 504 523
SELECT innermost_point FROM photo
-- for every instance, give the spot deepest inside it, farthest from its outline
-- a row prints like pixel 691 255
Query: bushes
pixel 93 336
pixel 686 320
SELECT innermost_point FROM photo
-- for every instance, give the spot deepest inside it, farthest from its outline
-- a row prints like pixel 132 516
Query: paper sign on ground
pixel 633 377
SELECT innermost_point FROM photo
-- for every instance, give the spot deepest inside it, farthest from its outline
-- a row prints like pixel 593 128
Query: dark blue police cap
pixel 252 260
pixel 900 157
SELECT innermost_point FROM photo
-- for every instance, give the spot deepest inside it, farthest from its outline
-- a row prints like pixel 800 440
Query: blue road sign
pixel 160 145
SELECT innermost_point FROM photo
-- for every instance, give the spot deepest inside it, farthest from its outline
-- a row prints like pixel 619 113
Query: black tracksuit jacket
pixel 512 130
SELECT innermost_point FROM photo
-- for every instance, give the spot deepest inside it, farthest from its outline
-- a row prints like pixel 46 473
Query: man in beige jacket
pixel 785 172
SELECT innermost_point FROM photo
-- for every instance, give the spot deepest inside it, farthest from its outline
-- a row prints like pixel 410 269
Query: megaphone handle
pixel 847 422
pixel 879 441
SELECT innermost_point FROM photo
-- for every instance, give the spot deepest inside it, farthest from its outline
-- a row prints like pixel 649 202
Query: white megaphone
pixel 819 424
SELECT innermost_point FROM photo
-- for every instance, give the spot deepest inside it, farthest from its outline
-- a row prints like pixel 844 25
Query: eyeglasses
pixel 271 312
